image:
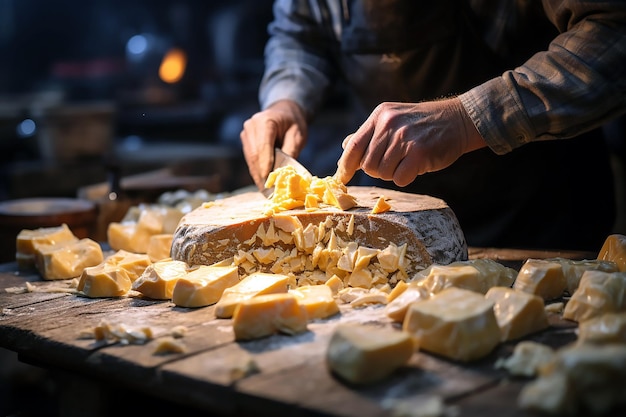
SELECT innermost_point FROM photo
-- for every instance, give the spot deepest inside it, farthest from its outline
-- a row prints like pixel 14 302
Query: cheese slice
pixel 159 278
pixel 364 354
pixel 65 260
pixel 204 286
pixel 599 293
pixel 397 308
pixel 258 283
pixel 607 328
pixel 28 239
pixel 456 323
pixel 317 300
pixel 133 263
pixel 265 315
pixel 518 313
pixel 541 277
pixel 614 250
pixel 159 246
pixel 104 281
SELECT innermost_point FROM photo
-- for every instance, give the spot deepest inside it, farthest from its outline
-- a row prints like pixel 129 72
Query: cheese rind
pixel 456 323
pixel 598 293
pixel 104 281
pixel 518 313
pixel 65 260
pixel 159 278
pixel 541 277
pixel 256 284
pixel 204 286
pixel 317 300
pixel 363 354
pixel 265 315
pixel 614 250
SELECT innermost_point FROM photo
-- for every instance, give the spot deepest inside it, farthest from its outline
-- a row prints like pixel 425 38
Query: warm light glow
pixel 173 66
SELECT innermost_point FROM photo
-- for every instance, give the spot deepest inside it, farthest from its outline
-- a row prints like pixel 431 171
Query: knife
pixel 281 159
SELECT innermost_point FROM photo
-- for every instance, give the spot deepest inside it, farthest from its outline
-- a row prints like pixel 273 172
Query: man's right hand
pixel 282 125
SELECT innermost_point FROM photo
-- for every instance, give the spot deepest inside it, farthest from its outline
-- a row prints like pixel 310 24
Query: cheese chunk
pixel 456 323
pixel 363 354
pixel 527 358
pixel 128 237
pixel 159 278
pixel 614 250
pixel 607 328
pixel 65 260
pixel 381 206
pixel 541 277
pixel 258 283
pixel 133 263
pixel 204 286
pixel 574 269
pixel 317 300
pixel 27 240
pixel 476 275
pixel 599 293
pixel 518 313
pixel 267 314
pixel 397 308
pixel 104 281
pixel 159 246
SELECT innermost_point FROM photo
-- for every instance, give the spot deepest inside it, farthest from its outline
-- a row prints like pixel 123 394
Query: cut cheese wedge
pixel 158 279
pixel 133 263
pixel 104 281
pixel 456 323
pixel 258 283
pixel 599 293
pixel 65 260
pixel 265 315
pixel 27 240
pixel 607 328
pixel 204 286
pixel 614 250
pixel 541 277
pixel 317 300
pixel 363 354
pixel 518 313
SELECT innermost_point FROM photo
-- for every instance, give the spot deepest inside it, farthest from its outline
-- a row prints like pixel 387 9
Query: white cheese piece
pixel 527 358
pixel 264 315
pixel 363 354
pixel 159 278
pixel 518 313
pixel 456 323
pixel 204 285
pixel 541 277
pixel 598 293
pixel 168 344
pixel 258 283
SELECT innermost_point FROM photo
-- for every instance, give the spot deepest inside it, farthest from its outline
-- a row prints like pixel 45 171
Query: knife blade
pixel 281 159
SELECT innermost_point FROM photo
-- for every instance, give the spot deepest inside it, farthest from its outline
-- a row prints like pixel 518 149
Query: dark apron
pixel 550 195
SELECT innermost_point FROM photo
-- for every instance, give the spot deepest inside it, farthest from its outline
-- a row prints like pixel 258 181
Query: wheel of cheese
pixel 427 225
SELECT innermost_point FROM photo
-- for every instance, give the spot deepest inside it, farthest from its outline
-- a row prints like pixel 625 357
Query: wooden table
pixel 292 378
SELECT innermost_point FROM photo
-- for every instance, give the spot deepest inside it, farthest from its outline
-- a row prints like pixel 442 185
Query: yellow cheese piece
pixel 159 278
pixel 607 328
pixel 133 263
pixel 267 314
pixel 204 286
pixel 598 293
pixel 362 354
pixel 27 240
pixel 317 300
pixel 128 236
pixel 258 283
pixel 66 260
pixel 614 250
pixel 335 284
pixel 397 308
pixel 381 206
pixel 456 323
pixel 104 281
pixel 527 358
pixel 574 269
pixel 159 246
pixel 397 290
pixel 518 313
pixel 541 277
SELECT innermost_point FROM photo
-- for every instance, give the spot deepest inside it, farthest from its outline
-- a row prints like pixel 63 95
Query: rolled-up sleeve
pixel 576 85
pixel 296 63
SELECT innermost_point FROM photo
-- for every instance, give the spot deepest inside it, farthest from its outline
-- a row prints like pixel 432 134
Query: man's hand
pixel 283 125
pixel 400 141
